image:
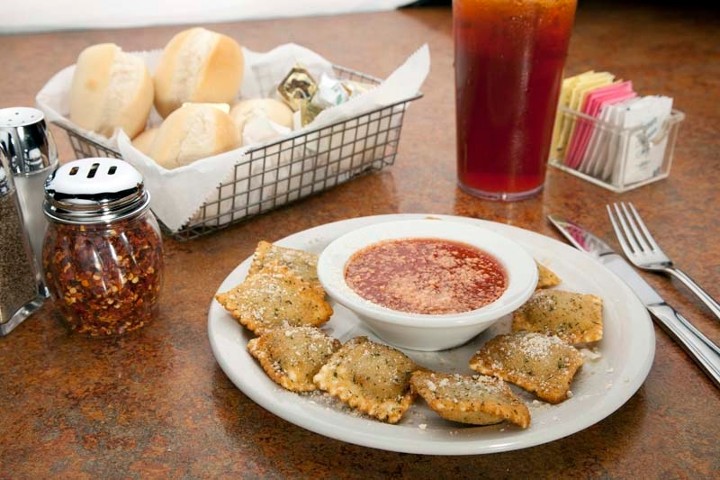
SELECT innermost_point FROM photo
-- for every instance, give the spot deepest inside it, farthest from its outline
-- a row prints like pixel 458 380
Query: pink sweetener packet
pixel 605 135
pixel 613 93
pixel 597 102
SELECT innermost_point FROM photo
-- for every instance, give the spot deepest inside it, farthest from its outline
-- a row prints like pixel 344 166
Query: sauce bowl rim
pixel 520 270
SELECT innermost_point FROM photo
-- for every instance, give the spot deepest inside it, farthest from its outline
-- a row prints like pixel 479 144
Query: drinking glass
pixel 509 58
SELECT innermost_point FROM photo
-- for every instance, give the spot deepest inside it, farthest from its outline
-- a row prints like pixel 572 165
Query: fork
pixel 644 252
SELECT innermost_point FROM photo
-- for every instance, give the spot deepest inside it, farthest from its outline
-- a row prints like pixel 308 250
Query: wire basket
pixel 278 173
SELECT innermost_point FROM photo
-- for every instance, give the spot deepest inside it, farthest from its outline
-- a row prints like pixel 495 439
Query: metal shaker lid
pixel 25 140
pixel 95 190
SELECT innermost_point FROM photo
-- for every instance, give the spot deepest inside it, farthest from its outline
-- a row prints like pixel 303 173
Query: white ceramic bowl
pixel 428 332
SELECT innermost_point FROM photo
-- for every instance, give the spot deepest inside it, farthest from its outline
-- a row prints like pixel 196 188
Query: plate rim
pixel 326 428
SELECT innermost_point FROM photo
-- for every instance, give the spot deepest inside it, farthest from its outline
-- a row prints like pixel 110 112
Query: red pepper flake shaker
pixel 102 253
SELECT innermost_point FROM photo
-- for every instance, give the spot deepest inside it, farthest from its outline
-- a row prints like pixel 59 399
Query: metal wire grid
pixel 87 148
pixel 285 171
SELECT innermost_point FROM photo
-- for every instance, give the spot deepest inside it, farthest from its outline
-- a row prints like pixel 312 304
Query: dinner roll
pixel 270 108
pixel 192 132
pixel 198 66
pixel 110 89
pixel 144 141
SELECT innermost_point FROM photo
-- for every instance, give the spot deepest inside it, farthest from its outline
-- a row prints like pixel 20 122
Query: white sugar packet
pixel 179 194
pixel 643 154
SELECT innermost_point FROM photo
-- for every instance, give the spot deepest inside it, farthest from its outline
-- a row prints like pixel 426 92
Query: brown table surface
pixel 156 404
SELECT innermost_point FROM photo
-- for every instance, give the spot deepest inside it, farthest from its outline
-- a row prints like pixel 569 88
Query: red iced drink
pixel 509 57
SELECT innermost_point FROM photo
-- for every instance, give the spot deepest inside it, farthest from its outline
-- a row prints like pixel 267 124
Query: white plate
pixel 602 385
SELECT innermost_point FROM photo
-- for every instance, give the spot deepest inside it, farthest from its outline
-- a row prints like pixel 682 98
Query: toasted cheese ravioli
pixel 292 356
pixel 370 377
pixel 546 277
pixel 273 298
pixel 473 399
pixel 301 263
pixel 575 317
pixel 541 364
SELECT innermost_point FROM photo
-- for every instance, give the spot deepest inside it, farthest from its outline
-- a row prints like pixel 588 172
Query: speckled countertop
pixel 155 404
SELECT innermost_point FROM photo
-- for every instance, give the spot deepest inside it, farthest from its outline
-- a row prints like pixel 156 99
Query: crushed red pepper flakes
pixel 105 279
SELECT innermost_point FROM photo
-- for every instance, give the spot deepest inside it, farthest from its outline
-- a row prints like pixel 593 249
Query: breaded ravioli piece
pixel 541 364
pixel 274 298
pixel 546 277
pixel 473 399
pixel 300 262
pixel 575 317
pixel 370 377
pixel 292 356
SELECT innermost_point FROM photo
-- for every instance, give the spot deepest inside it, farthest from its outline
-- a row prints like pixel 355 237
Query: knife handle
pixel 695 331
pixel 676 326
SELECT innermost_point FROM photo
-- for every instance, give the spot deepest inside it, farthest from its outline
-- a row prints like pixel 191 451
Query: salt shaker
pixel 20 295
pixel 30 150
pixel 102 254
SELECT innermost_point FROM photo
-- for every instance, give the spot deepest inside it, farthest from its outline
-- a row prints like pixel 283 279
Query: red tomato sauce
pixel 426 275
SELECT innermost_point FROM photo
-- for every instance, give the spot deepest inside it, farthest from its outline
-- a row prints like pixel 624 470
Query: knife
pixel 700 348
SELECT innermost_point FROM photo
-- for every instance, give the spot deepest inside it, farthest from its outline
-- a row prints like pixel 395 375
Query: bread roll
pixel 110 88
pixel 270 108
pixel 144 141
pixel 199 66
pixel 192 132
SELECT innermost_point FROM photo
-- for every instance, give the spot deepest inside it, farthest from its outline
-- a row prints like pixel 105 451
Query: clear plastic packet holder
pixel 616 158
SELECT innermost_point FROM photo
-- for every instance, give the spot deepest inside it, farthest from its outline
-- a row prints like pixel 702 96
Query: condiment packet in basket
pixel 592 104
pixel 178 194
pixel 269 69
pixel 572 96
pixel 646 121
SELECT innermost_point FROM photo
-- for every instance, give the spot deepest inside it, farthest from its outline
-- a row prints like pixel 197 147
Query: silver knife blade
pixel 595 246
pixel 703 350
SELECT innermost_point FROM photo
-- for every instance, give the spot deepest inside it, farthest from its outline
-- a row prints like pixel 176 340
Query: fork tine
pixel 647 236
pixel 619 233
pixel 630 237
pixel 636 233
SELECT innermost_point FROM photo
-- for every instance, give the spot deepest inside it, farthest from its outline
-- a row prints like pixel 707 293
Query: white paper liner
pixel 178 194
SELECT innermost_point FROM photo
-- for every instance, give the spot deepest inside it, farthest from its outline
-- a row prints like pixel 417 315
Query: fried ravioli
pixel 473 399
pixel 275 297
pixel 292 356
pixel 546 277
pixel 542 364
pixel 370 377
pixel 575 317
pixel 300 262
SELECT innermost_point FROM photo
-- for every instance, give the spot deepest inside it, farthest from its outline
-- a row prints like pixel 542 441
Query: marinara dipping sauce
pixel 426 276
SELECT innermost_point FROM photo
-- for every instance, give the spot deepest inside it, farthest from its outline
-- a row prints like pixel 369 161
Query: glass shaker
pixel 30 150
pixel 19 293
pixel 102 253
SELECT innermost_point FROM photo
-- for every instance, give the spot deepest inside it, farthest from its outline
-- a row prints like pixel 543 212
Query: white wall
pixel 43 15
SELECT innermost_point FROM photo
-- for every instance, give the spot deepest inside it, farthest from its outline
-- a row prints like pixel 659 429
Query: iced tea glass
pixel 509 58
